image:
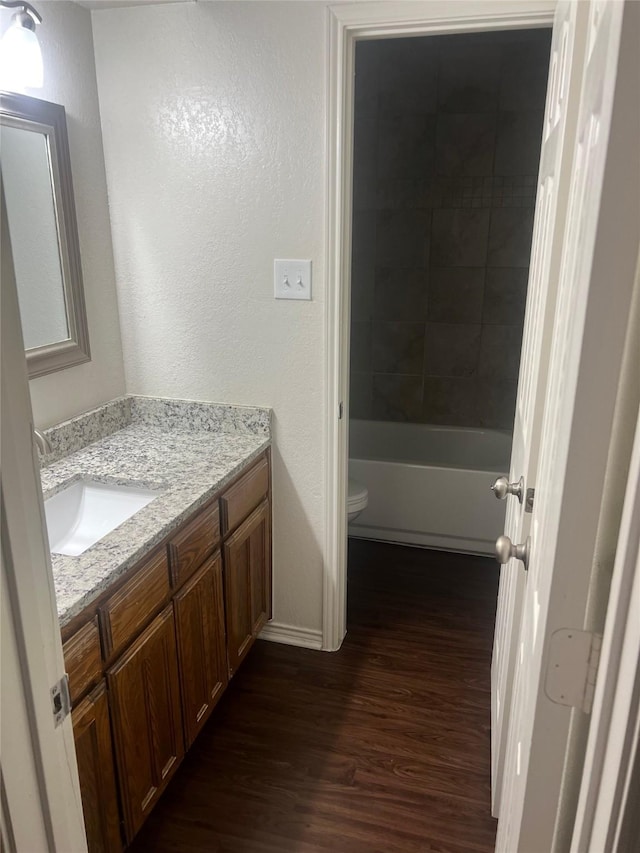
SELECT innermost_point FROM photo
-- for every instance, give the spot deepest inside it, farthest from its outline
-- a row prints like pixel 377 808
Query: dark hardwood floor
pixel 382 747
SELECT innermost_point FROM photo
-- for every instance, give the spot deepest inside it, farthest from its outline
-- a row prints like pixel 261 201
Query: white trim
pixel 433 541
pixel 345 24
pixel 615 719
pixel 616 715
pixel 292 635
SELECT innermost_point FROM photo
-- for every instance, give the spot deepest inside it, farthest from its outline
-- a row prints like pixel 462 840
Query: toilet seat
pixel 357 497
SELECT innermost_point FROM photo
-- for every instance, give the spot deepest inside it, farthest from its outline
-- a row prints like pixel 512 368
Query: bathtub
pixel 429 485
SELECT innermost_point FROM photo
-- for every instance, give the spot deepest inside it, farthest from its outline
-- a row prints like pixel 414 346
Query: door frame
pixel 613 751
pixel 612 745
pixel 346 24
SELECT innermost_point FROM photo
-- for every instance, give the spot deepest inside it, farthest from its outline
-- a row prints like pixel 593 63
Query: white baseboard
pixel 437 542
pixel 292 635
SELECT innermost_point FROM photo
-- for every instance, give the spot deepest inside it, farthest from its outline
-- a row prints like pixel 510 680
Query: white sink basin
pixel 83 513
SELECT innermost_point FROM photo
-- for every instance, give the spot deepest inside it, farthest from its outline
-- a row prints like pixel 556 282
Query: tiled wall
pixel 447 143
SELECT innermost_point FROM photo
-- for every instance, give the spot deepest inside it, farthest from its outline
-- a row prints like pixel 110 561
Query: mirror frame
pixel 50 119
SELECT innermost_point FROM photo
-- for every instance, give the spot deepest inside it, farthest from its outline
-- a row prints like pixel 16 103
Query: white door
pixel 41 808
pixel 563 95
pixel 592 311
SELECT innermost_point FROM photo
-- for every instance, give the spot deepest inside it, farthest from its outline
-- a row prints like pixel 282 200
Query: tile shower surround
pixel 446 150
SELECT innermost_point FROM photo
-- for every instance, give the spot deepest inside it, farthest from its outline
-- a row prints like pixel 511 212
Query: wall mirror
pixel 43 231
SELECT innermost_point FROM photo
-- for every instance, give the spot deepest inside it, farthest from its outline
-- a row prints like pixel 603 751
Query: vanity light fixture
pixel 20 55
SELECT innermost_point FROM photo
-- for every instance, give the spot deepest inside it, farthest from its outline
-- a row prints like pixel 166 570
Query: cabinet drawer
pixel 82 659
pixel 238 501
pixel 193 544
pixel 133 604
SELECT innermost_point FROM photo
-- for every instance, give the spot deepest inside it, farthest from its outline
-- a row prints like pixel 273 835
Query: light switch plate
pixel 292 279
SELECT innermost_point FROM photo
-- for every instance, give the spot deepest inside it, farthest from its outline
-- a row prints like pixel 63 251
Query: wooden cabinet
pixel 247 583
pixel 147 720
pixel 199 613
pixel 158 635
pixel 83 660
pixel 194 543
pixel 238 501
pixel 130 608
pixel 94 753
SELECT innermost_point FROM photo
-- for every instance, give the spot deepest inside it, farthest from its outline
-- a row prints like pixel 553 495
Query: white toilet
pixel 357 500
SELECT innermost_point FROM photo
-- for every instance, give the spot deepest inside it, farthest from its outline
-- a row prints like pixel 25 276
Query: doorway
pixel 447 136
pixel 600 68
pixel 347 27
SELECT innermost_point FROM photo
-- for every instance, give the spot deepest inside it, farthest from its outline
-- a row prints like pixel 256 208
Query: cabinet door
pixel 94 753
pixel 247 583
pixel 147 721
pixel 199 614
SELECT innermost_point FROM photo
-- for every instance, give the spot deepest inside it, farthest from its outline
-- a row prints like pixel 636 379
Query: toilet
pixel 357 500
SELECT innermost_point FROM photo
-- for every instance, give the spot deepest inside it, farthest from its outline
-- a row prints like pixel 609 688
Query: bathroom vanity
pixel 153 630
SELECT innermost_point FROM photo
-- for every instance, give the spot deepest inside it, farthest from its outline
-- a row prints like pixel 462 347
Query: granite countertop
pixel 187 459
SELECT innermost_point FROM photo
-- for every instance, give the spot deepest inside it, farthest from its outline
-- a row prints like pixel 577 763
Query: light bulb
pixel 20 59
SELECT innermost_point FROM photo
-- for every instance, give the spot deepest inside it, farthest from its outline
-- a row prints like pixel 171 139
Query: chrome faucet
pixel 42 442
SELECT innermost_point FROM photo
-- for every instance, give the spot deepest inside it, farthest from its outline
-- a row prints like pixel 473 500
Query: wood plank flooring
pixel 382 747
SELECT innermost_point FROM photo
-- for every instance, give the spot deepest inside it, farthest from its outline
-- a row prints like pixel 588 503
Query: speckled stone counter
pixel 186 451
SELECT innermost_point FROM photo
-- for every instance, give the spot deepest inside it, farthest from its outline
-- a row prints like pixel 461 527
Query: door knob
pixel 505 550
pixel 502 487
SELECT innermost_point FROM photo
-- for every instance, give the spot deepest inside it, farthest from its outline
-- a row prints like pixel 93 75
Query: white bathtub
pixel 429 485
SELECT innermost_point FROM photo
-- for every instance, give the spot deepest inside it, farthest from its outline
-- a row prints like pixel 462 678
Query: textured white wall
pixel 213 126
pixel 67 47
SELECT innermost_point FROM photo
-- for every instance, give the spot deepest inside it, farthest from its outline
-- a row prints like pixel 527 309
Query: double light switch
pixel 292 279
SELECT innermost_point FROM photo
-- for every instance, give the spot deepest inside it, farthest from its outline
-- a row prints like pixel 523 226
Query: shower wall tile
pixel 510 237
pixel 496 402
pixel 402 238
pixel 406 145
pixel 401 294
pixel 403 193
pixel 518 142
pixel 469 75
pixel 505 295
pixel 360 395
pixel 364 196
pixel 514 191
pixel 446 150
pixel 408 82
pixel 365 146
pixel 523 81
pixel 465 143
pixel 450 401
pixel 366 90
pixel 362 297
pixel 398 348
pixel 397 398
pixel 456 294
pixel 459 237
pixel 451 349
pixel 363 243
pixel 361 347
pixel 500 352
